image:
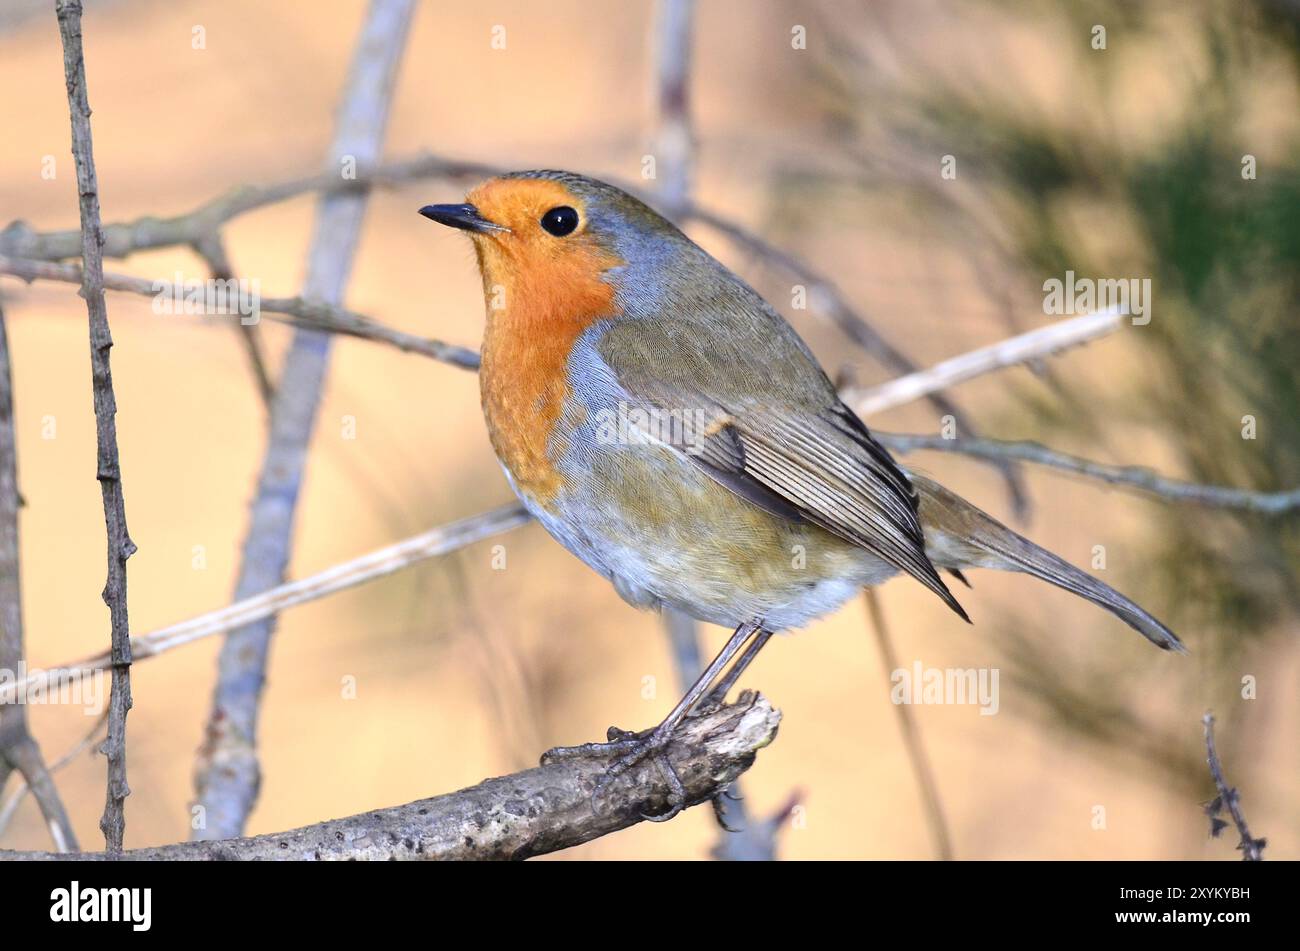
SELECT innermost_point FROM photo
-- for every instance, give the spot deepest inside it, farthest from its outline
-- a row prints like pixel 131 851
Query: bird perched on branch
pixel 668 427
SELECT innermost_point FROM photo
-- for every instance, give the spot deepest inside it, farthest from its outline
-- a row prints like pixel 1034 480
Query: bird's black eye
pixel 560 221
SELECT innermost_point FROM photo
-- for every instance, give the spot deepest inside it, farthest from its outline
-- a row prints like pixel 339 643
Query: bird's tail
pixel 958 535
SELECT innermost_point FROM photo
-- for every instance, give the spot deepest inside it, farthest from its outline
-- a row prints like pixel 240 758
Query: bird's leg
pixel 632 748
pixel 718 695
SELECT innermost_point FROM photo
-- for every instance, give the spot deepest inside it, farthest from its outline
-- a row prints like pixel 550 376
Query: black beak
pixel 464 217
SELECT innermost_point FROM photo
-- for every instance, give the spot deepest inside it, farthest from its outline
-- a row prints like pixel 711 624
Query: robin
pixel 667 426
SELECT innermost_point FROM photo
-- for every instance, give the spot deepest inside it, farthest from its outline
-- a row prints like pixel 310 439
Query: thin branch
pixel 375 564
pixel 296 311
pixel 108 468
pixel 1134 477
pixel 18 750
pixel 251 338
pixel 1021 348
pixel 921 768
pixel 1252 849
pixel 512 817
pixel 26 757
pixel 24 787
pixel 213 251
pixel 823 295
pixel 193 227
pixel 228 775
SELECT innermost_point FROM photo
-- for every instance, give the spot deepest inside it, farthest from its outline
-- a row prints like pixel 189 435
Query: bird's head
pixel 550 236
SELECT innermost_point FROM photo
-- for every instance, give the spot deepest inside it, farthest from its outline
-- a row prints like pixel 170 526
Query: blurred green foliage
pixel 1222 250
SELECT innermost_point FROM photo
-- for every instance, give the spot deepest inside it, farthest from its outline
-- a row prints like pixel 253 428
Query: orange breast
pixel 548 301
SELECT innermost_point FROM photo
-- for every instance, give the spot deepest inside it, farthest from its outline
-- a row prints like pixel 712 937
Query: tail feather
pixel 959 535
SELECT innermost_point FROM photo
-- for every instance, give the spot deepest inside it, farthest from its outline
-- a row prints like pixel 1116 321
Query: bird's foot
pixel 630 749
pixel 618 741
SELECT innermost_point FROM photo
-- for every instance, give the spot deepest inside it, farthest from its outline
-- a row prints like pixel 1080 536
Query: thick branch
pixel 228 775
pixel 120 546
pixel 1136 477
pixel 674 140
pixel 513 817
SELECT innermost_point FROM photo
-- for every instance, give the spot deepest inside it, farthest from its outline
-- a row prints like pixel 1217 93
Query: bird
pixel 670 428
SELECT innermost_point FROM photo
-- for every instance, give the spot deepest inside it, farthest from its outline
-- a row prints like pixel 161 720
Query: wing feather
pixel 795 450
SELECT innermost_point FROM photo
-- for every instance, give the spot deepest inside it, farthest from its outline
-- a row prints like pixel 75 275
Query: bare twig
pixel 194 227
pixel 921 768
pixel 1006 353
pixel 296 311
pixel 22 788
pixel 18 750
pixel 212 249
pixel 227 776
pixel 1252 849
pixel 108 469
pixel 513 817
pixel 823 295
pixel 1135 477
pixel 375 564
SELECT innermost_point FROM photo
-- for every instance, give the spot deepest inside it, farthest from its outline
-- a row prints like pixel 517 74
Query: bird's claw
pixel 676 791
pixel 619 741
pixel 631 749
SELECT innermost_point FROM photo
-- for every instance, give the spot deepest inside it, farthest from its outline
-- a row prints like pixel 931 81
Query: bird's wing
pixel 770 428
